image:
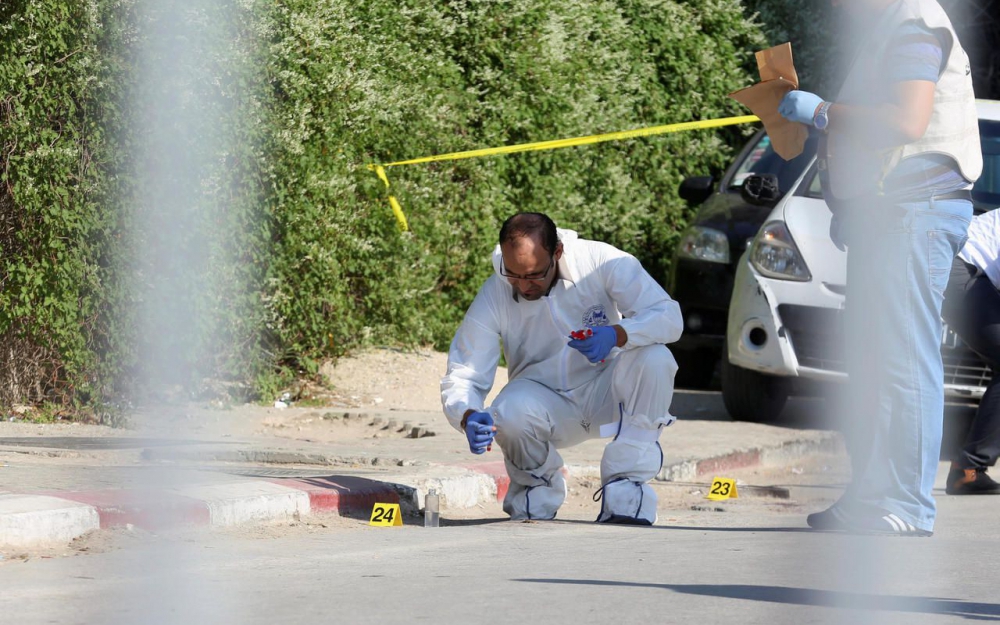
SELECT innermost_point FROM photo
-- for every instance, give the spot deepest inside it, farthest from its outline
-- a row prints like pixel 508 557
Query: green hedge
pixel 306 261
pixel 60 276
pixel 379 81
pixel 202 170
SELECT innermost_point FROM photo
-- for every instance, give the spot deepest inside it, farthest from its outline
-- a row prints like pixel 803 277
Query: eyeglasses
pixel 531 277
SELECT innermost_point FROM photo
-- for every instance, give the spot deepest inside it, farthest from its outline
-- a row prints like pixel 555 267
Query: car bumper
pixel 797 338
pixel 690 342
pixel 703 291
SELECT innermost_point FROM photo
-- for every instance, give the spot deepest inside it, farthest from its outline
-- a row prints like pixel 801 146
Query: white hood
pixel 808 221
pixel 566 237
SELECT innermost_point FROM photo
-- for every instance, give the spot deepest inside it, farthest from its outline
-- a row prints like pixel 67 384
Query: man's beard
pixel 532 296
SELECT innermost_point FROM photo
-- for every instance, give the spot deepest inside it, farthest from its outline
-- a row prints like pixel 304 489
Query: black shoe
pixel 884 523
pixel 833 518
pixel 970 482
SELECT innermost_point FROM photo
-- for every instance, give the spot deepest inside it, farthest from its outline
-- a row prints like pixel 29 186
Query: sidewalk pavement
pixel 58 485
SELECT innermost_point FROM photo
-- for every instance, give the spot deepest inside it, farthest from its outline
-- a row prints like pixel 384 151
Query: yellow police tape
pixel 550 145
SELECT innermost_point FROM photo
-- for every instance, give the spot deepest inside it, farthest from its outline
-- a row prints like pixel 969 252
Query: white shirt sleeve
pixel 982 250
pixel 650 315
pixel 472 359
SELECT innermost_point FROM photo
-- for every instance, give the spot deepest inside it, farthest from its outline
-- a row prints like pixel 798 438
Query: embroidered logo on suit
pixel 595 316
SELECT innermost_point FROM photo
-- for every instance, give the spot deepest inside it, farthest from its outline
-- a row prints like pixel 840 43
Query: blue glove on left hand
pixel 799 106
pixel 597 346
pixel 479 429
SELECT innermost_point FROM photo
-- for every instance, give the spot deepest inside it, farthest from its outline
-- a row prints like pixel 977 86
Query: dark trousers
pixel 972 309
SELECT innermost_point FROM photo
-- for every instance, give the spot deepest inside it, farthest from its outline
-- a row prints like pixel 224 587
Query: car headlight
pixel 775 255
pixel 705 244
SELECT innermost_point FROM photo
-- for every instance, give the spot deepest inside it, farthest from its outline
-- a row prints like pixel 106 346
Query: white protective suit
pixel 555 398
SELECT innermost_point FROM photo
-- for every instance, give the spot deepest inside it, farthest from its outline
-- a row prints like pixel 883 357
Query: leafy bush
pixel 378 81
pixel 201 230
pixel 811 27
pixel 59 293
pixel 303 257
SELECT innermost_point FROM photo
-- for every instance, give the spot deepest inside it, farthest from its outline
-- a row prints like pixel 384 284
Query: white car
pixel 789 291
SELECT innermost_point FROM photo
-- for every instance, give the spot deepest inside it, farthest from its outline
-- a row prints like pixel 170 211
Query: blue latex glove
pixel 479 429
pixel 597 347
pixel 799 106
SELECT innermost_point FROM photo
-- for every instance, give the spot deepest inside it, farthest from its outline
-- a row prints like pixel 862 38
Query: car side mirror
pixel 696 189
pixel 761 189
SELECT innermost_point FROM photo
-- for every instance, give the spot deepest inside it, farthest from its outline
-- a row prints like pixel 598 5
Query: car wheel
pixel 695 368
pixel 752 396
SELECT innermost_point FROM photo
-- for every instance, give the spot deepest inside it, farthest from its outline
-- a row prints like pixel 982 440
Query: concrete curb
pixel 51 517
pixel 689 470
pixel 459 486
pixel 35 519
pixel 680 471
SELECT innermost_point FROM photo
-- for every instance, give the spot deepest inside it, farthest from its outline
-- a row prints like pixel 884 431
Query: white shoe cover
pixel 535 502
pixel 627 502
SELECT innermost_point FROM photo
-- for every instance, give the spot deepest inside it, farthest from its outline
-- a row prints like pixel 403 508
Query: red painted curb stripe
pixel 496 470
pixel 342 494
pixel 735 460
pixel 152 510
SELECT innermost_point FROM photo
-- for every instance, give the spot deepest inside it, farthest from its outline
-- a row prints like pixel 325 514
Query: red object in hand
pixel 582 335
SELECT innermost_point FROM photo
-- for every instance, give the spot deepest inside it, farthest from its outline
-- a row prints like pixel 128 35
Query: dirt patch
pixel 365 389
pixel 394 379
pixel 340 426
pixel 16 429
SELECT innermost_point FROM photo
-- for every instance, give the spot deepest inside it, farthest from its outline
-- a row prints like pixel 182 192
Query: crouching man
pixel 583 329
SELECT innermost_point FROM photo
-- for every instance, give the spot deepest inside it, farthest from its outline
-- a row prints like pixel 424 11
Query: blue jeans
pixel 899 258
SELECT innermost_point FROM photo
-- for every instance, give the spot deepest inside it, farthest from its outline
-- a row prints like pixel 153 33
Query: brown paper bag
pixel 778 77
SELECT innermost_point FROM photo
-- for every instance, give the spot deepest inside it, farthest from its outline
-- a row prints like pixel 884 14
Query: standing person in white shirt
pixel 616 383
pixel 899 154
pixel 972 309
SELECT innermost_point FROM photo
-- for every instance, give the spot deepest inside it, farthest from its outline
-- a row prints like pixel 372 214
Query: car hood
pixel 808 221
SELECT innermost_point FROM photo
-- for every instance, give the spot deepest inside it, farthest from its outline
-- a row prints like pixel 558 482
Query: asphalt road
pixel 699 568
